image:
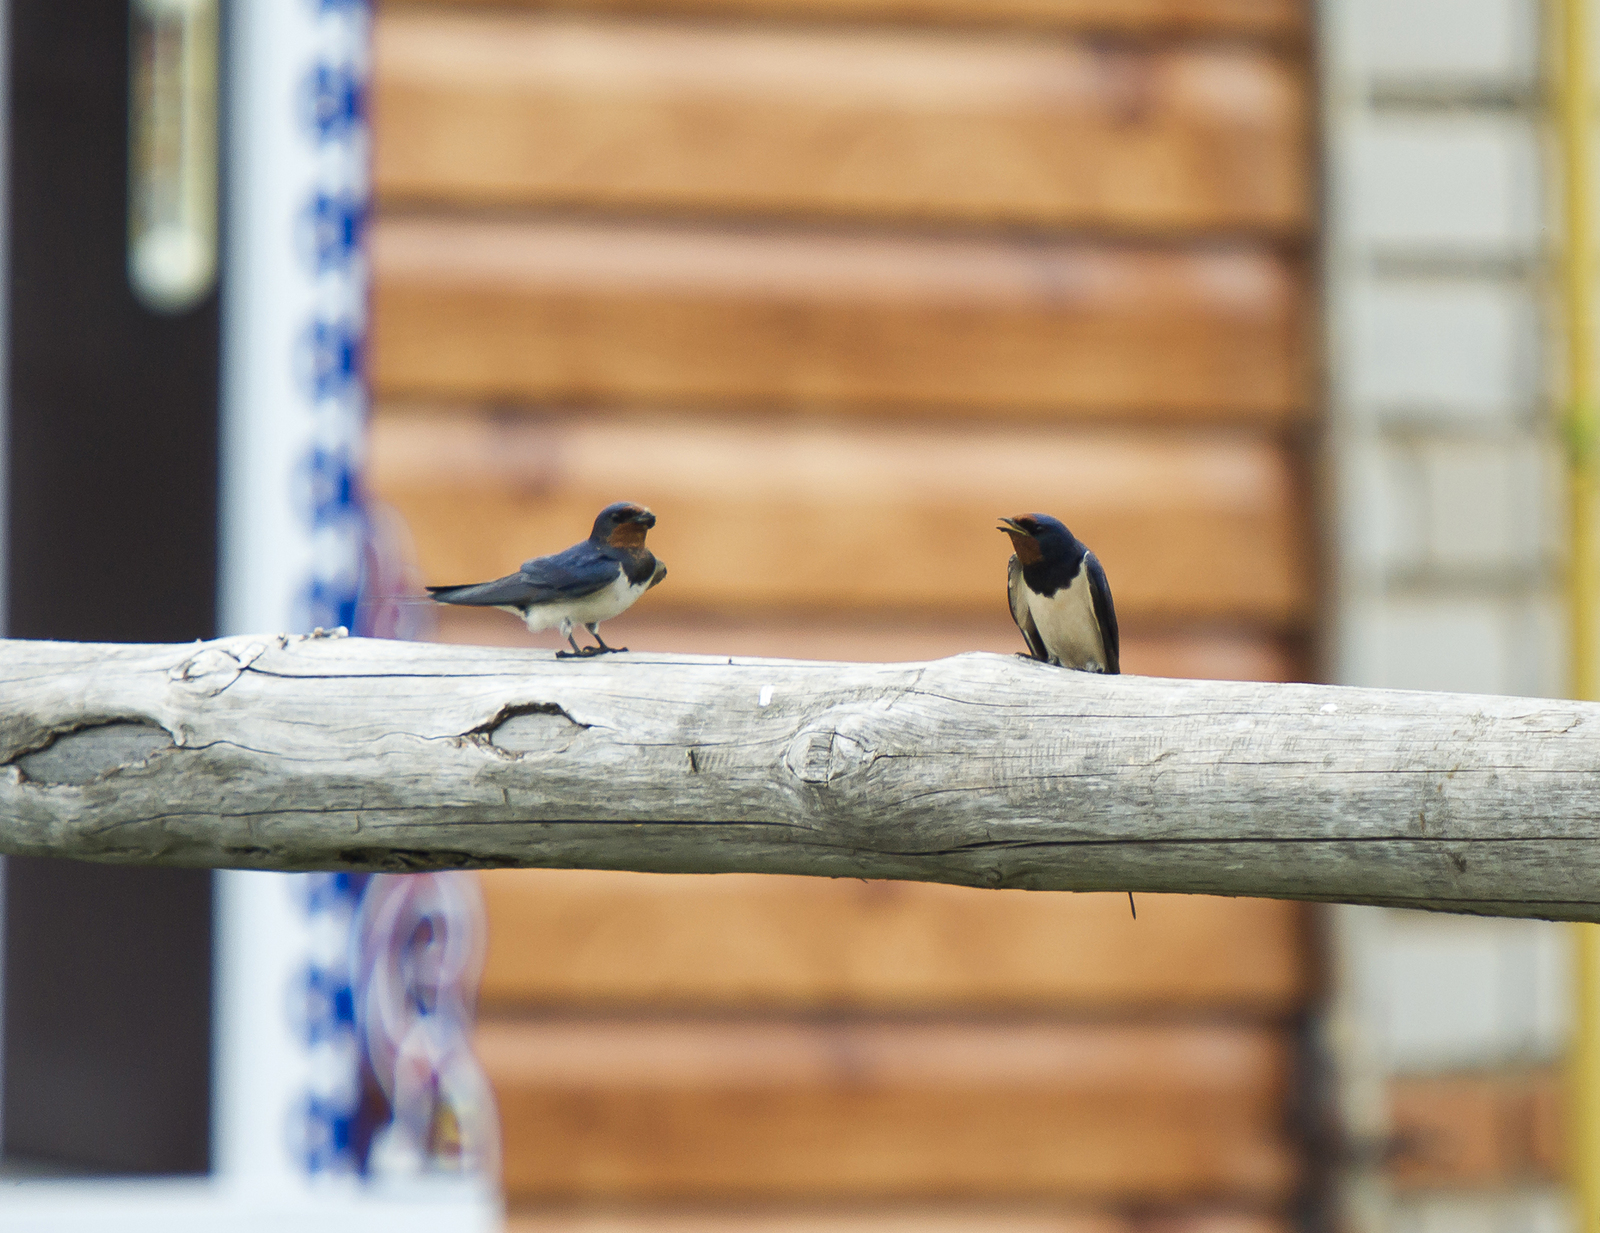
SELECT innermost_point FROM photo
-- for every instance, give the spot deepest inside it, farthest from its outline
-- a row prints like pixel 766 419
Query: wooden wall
pixel 830 284
pixel 782 1046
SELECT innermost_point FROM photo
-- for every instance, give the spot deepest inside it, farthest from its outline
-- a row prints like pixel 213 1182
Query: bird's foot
pixel 587 652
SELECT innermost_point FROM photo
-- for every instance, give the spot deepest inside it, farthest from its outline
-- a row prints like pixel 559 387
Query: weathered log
pixel 985 770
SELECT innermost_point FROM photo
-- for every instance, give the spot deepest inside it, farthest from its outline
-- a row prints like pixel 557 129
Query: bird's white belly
pixel 1067 624
pixel 609 601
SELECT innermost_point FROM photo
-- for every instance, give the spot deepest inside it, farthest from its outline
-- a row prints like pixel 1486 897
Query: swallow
pixel 588 583
pixel 1060 598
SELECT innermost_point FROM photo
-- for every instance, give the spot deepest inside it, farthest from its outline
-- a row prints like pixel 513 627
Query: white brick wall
pixel 1444 351
pixel 1531 1211
pixel 1449 513
pixel 1488 41
pixel 1450 185
pixel 1482 509
pixel 1433 644
pixel 1450 993
pixel 1449 517
pixel 1459 644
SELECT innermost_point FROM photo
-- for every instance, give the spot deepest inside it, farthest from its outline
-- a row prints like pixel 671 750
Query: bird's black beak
pixel 645 519
pixel 1010 527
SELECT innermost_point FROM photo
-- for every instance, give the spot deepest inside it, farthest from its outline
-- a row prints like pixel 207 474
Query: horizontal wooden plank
pixel 831 517
pixel 911 1219
pixel 1218 654
pixel 496 109
pixel 1477 1130
pixel 507 310
pixel 621 939
pixel 684 1109
pixel 1271 18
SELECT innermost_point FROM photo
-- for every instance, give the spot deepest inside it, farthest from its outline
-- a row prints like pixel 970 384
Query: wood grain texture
pixel 498 109
pixel 1213 654
pixel 773 517
pixel 625 940
pixel 911 1218
pixel 1269 18
pixel 982 770
pixel 658 1109
pixel 542 311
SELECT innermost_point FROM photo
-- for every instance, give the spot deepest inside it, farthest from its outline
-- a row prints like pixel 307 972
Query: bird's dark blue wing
pixel 580 570
pixel 1104 612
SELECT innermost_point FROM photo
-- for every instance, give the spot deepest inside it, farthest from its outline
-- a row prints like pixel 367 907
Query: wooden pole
pixel 1575 125
pixel 984 770
pixel 1576 129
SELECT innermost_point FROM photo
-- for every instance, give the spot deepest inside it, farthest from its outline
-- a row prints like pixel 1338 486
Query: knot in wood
pixel 831 748
pixel 533 728
pixel 212 670
pixel 78 757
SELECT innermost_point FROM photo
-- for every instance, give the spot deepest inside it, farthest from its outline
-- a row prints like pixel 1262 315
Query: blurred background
pixel 1257 295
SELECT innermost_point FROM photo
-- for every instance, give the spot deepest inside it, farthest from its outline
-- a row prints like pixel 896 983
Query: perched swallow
pixel 588 583
pixel 1060 599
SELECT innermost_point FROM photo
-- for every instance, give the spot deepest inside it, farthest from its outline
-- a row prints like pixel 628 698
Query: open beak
pixel 1010 527
pixel 645 519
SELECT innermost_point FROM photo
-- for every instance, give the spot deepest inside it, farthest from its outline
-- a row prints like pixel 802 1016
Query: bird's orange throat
pixel 1027 547
pixel 629 535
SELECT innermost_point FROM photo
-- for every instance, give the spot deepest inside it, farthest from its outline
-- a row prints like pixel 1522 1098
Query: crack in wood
pixel 419 860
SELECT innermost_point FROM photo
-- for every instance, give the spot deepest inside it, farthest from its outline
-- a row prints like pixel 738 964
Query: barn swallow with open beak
pixel 1060 598
pixel 588 583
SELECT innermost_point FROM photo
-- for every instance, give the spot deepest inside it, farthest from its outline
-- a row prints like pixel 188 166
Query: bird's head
pixel 622 525
pixel 1036 536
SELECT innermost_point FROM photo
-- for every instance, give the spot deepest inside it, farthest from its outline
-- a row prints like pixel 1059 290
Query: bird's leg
pixel 602 649
pixel 577 652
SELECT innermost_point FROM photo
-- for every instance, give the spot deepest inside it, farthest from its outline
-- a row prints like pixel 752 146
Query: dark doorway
pixel 112 517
